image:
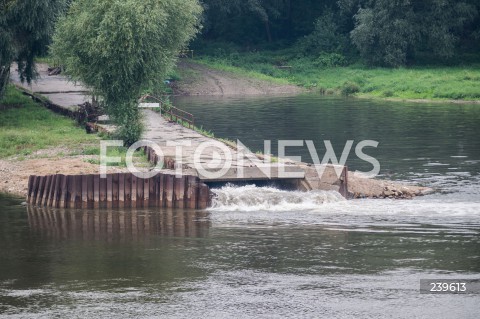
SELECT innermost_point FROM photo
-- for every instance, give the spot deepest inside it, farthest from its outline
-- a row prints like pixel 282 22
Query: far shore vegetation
pixel 418 49
pixel 426 82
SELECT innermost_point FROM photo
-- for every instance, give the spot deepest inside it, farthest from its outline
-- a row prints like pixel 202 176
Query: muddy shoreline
pixel 198 79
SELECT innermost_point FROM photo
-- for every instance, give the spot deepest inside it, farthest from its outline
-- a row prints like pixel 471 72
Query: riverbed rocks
pixel 359 186
pixel 362 187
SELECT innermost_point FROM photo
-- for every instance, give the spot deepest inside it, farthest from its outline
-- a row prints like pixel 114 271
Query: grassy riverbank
pixel 27 127
pixel 36 141
pixel 327 76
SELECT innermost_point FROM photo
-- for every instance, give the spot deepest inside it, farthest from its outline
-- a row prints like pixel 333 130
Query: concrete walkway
pixel 165 134
pixel 205 155
pixel 56 88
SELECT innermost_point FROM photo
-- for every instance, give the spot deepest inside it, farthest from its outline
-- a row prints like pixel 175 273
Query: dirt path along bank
pixel 198 79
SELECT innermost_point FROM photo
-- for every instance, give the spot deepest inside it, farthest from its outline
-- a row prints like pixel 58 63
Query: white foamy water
pixel 234 206
pixel 252 198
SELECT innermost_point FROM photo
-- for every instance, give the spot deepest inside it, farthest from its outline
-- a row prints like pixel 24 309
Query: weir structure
pixel 165 189
pixel 178 183
pixel 180 147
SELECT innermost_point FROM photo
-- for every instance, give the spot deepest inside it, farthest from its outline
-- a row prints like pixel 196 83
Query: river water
pixel 264 252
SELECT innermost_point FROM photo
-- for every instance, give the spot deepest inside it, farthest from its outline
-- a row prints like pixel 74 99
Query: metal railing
pixel 179 116
pixel 185 54
pixel 172 113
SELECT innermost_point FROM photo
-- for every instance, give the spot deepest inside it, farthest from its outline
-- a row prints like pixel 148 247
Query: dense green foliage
pixel 419 82
pixel 392 32
pixel 350 46
pixel 381 32
pixel 119 48
pixel 26 27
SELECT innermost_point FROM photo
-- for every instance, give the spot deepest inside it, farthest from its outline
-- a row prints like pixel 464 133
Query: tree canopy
pixel 26 27
pixel 391 32
pixel 120 47
pixel 382 32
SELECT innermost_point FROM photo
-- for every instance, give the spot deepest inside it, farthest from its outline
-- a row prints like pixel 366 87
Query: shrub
pixel 349 88
pixel 330 60
pixel 388 93
pixel 326 36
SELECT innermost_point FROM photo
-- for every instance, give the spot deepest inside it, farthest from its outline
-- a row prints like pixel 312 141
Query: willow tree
pixel 118 48
pixel 391 32
pixel 26 28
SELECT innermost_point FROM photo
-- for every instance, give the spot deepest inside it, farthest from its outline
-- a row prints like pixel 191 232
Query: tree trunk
pixel 267 29
pixel 4 78
pixel 289 19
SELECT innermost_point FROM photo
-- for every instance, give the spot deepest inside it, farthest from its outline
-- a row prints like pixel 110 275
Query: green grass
pixel 48 60
pixel 44 59
pixel 204 132
pixel 26 126
pixel 139 157
pixel 427 82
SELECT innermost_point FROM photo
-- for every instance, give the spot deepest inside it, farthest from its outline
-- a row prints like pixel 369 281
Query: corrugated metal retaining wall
pixel 118 190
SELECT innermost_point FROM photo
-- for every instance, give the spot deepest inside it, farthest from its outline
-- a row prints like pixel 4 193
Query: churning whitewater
pixel 253 198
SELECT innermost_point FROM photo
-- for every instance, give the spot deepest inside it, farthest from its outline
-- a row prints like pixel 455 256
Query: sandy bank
pixel 14 174
pixel 201 80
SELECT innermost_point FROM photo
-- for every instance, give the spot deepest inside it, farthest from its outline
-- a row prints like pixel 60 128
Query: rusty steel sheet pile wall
pixel 118 190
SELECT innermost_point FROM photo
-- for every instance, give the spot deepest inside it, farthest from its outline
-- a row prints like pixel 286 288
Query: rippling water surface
pixel 264 252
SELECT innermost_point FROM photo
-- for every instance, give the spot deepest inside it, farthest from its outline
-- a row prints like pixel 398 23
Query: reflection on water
pixel 415 140
pixel 112 226
pixel 337 260
pixel 262 252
